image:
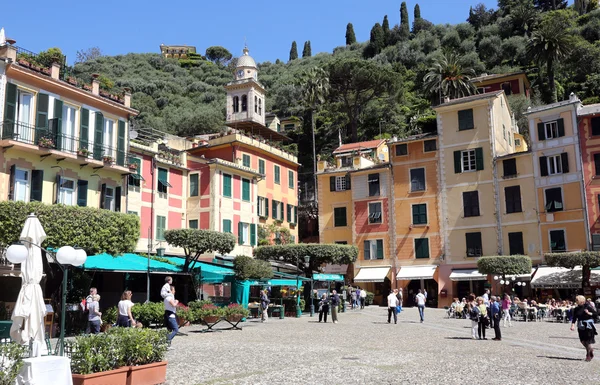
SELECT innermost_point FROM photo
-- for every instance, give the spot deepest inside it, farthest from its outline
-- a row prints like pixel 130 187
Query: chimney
pixel 95 87
pixel 127 97
pixel 55 71
pixel 9 51
pixel 446 99
pixel 573 97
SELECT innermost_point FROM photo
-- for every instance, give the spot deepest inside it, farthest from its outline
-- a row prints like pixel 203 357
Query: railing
pixel 50 137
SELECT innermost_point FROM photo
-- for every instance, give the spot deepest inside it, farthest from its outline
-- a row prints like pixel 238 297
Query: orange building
pixel 589 140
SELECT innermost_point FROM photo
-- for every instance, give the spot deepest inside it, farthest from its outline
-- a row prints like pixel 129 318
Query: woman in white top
pixel 94 314
pixel 125 318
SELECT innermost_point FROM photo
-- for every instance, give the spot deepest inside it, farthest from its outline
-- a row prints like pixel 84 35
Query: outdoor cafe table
pixel 255 309
pixel 46 370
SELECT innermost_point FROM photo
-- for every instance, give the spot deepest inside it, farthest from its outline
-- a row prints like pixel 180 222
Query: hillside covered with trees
pixel 386 85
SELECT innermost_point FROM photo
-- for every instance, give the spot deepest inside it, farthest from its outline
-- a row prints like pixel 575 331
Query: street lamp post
pixel 298 310
pixel 312 305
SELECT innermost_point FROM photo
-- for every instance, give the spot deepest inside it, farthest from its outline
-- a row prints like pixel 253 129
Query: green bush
pixel 196 242
pixel 369 298
pixel 570 260
pixel 149 313
pixel 319 254
pixel 236 309
pixel 11 361
pixel 250 268
pixel 195 307
pixel 505 264
pixel 141 346
pixel 110 315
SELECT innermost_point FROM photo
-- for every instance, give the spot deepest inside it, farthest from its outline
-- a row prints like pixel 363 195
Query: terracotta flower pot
pixel 110 377
pixel 235 318
pixel 211 319
pixel 150 374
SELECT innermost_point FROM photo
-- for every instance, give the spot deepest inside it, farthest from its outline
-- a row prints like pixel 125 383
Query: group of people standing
pixel 358 297
pixel 484 312
pixel 325 304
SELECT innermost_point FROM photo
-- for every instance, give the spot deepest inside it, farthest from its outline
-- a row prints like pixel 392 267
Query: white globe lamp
pixel 81 257
pixel 17 253
pixel 66 255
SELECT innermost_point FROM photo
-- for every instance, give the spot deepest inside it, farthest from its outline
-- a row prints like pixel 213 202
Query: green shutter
pixel 277 175
pixel 561 127
pixel 193 224
pixel 266 208
pixel 121 144
pixel 380 249
pixel 245 190
pixel 252 234
pixel 58 110
pixel 161 224
pixel 295 214
pixel 227 185
pixel 57 184
pixel 541 131
pixel 261 166
pixel 331 183
pixel 289 213
pixel 98 127
pixel 422 248
pixel 479 158
pixel 240 233
pixel 419 213
pixel 457 162
pixel 465 120
pixel 348 182
pixel 291 179
pixel 41 118
pixel 102 194
pixel 274 208
pixel 118 199
pixel 193 185
pixel 163 177
pixel 82 189
pixel 84 128
pixel 227 225
pixel 246 160
pixel 10 111
pixel 367 250
pixel 37 182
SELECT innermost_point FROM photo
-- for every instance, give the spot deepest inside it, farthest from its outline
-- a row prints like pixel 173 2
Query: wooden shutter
pixel 266 207
pixel 274 208
pixel 290 179
pixel 295 214
pixel 380 249
pixel 543 166
pixel 57 189
pixel 331 183
pixel 479 158
pixel 102 195
pixel 84 128
pixel 367 250
pixel 37 182
pixel 564 157
pixel 281 211
pixel 515 243
pixel 597 165
pixel 289 213
pixel 465 120
pixel 561 127
pixel 227 185
pixel 11 183
pixel 240 233
pixel 541 131
pixel 348 182
pixel 595 123
pixel 118 199
pixel 252 234
pixel 121 144
pixel 10 111
pixel 245 189
pixel 193 185
pixel 457 162
pixel 41 118
pixel 98 127
pixel 82 189
pixel 226 225
pixel 58 110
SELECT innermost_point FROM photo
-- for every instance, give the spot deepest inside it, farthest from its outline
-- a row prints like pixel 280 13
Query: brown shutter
pixel 102 195
pixel 11 182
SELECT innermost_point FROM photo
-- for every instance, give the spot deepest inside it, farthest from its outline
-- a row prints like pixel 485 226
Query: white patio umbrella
pixel 30 310
pixel 2 37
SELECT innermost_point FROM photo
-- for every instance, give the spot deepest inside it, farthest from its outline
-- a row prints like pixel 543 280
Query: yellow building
pixel 61 143
pixel 177 51
pixel 558 176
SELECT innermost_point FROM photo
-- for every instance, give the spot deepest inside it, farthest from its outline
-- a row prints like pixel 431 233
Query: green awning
pixel 137 177
pixel 210 273
pixel 163 177
pixel 127 263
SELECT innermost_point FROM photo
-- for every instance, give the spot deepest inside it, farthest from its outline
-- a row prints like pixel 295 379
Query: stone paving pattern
pixel 364 349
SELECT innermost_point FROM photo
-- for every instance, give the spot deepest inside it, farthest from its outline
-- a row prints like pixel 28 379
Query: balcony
pixel 47 141
pixel 261 143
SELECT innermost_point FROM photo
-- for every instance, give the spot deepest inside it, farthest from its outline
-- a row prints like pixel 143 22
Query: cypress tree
pixel 404 24
pixel 417 12
pixel 307 52
pixel 350 36
pixel 386 30
pixel 376 43
pixel 294 51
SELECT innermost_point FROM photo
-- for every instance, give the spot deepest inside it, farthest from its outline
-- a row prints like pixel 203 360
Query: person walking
pixel 583 319
pixel 354 302
pixel 170 318
pixel 392 303
pixel 166 289
pixel 483 318
pixel 264 305
pixel 420 299
pixel 86 308
pixel 473 310
pixel 363 298
pixel 335 303
pixel 486 297
pixel 400 297
pixel 323 308
pixel 125 318
pixel 496 312
pixel 94 315
pixel 506 302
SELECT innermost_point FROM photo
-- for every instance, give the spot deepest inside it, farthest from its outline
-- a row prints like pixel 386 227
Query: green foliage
pixel 196 242
pixel 236 309
pixel 96 231
pixel 140 346
pixel 249 268
pixel 385 26
pixel 449 77
pixel 404 22
pixel 294 51
pixel 218 54
pixel 307 51
pixel 11 363
pixel 505 265
pixel 110 315
pixel 376 43
pixel 550 5
pixel 417 12
pixel 149 313
pixel 350 36
pixel 209 310
pixel 570 260
pixel 45 59
pixel 369 298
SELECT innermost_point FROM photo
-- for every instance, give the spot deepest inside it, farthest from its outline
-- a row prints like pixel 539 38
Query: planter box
pixel 150 374
pixel 110 377
pixel 211 319
pixel 235 318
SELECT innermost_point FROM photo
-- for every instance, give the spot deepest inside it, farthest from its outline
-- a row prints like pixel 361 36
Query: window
pixel 227 226
pixel 402 149
pixel 465 120
pixel 68 128
pixel 108 136
pixel 509 139
pixel 518 142
pixel 373 249
pixel 419 214
pixel 597 164
pixel 246 160
pixel 375 215
pixel 289 126
pixel 504 131
pixel 554 201
pixel 67 192
pixel 339 183
pixel 260 106
pixel 346 161
pixel 246 190
pixel 109 199
pixel 515 243
pixel 555 164
pixel 512 197
pixel 244 235
pixel 339 217
pixel 255 104
pixel 134 180
pixel 161 225
pixel 595 122
pixel 236 104
pixel 421 248
pixel 551 130
pixel 263 207
pixel 227 185
pixel 194 185
pixel 21 192
pixel 277 210
pixel 474 248
pixel 291 214
pixel 417 179
pixel 373 180
pixel 557 241
pixel 261 166
pixel 277 174
pixel 193 224
pixel 291 179
pixel 278 127
pixel 244 103
pixel 429 145
pixel 163 180
pixel 468 160
pixel 510 167
pixel 471 203
pixel 506 87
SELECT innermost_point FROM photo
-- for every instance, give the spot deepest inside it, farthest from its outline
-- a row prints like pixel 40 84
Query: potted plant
pixel 72 80
pixel 46 142
pixel 184 315
pixel 46 71
pixel 83 152
pixel 109 318
pixel 87 87
pixel 133 166
pixel 12 360
pixel 97 359
pixel 108 159
pixel 24 62
pixel 210 313
pixel 235 312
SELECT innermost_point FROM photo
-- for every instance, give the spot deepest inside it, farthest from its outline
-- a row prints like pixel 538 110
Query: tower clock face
pixel 240 74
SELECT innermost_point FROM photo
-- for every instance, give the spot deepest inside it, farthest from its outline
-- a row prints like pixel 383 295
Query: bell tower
pixel 245 94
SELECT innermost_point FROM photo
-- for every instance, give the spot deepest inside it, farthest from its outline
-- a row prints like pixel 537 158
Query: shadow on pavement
pixel 562 358
pixel 458 338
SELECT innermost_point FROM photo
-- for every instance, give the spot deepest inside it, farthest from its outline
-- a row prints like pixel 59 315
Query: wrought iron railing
pixel 50 137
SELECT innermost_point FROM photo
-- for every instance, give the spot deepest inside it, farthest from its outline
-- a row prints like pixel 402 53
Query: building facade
pixel 515 83
pixel 589 140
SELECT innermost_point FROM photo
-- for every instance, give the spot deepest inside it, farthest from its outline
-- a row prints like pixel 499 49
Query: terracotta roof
pixel 359 145
pixel 413 138
pixel 472 98
pixel 483 78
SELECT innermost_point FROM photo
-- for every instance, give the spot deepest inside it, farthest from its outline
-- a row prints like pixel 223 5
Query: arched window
pixel 236 104
pixel 260 106
pixel 244 103
pixel 255 105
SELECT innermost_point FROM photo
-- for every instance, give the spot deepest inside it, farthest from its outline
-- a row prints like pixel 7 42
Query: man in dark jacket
pixel 335 303
pixel 495 310
pixel 264 305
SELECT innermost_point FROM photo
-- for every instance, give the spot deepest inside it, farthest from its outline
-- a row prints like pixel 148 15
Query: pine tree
pixel 417 12
pixel 307 52
pixel 350 36
pixel 386 31
pixel 404 23
pixel 294 51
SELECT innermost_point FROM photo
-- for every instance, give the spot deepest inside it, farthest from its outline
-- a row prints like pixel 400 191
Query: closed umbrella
pixel 30 310
pixel 2 37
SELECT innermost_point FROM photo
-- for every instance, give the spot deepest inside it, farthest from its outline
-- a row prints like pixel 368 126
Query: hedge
pixel 570 260
pixel 505 264
pixel 319 254
pixel 94 230
pixel 196 242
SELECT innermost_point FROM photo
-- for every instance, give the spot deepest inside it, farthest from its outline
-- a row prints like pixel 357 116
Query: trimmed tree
pixel 195 242
pixel 294 51
pixel 350 36
pixel 307 51
pixel 249 268
pixel 586 259
pixel 505 265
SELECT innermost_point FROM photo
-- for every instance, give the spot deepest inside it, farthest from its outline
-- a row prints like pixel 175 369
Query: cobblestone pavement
pixel 364 349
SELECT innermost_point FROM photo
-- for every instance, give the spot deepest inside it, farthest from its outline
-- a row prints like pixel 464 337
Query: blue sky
pixel 269 26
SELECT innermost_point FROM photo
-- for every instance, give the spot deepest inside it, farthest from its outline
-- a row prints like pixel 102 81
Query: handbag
pixel 398 309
